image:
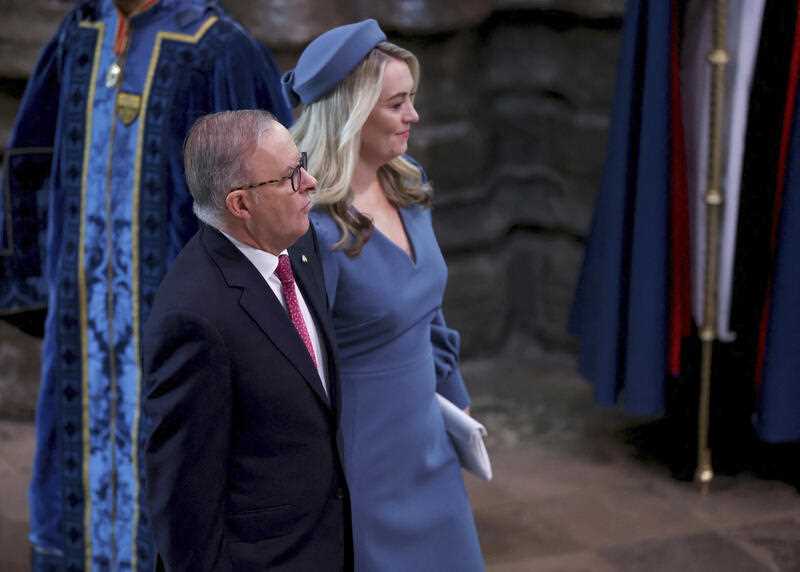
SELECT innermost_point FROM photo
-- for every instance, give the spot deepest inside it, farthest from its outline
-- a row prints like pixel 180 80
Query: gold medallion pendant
pixel 128 105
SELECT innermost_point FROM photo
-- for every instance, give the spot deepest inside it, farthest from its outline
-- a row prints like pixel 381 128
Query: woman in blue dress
pixel 385 277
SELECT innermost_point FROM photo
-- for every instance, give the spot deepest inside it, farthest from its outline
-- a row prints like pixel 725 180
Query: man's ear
pixel 237 204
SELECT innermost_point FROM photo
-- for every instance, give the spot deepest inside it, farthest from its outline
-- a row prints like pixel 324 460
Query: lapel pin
pixel 304 259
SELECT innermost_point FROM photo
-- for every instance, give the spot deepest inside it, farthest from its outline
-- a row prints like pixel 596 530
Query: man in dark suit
pixel 242 462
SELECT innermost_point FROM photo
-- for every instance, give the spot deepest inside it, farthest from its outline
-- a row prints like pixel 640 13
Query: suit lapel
pixel 258 301
pixel 311 288
pixel 302 256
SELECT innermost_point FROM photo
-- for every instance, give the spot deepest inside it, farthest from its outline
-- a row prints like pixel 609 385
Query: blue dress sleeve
pixel 446 346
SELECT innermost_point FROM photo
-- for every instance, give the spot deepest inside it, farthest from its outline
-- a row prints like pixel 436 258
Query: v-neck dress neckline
pixel 413 257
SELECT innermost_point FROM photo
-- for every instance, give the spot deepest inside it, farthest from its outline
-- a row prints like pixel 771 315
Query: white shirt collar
pixel 265 262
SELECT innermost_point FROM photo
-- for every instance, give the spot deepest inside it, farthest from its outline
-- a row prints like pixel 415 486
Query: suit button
pixel 340 493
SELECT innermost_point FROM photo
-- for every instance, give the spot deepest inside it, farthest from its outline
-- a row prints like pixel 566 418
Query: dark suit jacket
pixel 243 467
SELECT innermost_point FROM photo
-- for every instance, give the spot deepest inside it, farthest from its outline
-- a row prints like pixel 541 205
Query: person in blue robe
pixel 385 278
pixel 94 208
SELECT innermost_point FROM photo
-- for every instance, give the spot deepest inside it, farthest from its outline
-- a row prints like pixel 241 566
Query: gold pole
pixel 714 199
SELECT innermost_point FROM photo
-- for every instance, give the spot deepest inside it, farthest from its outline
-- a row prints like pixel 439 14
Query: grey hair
pixel 215 155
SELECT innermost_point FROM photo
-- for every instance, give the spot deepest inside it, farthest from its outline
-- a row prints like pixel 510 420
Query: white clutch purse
pixel 467 437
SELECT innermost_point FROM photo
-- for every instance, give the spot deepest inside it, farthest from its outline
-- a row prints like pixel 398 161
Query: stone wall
pixel 514 102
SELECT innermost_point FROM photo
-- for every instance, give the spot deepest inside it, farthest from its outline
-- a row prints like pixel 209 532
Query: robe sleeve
pixel 446 346
pixel 24 194
pixel 229 71
pixel 245 76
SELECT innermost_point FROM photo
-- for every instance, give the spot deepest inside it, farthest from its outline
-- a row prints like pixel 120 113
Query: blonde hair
pixel 329 129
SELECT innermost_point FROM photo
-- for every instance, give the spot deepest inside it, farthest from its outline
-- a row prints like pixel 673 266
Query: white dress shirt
pixel 266 263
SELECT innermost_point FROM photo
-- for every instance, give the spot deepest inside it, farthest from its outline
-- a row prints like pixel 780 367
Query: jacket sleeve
pixel 446 346
pixel 188 413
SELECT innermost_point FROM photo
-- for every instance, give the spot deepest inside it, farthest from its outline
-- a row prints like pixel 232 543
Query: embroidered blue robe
pixel 94 208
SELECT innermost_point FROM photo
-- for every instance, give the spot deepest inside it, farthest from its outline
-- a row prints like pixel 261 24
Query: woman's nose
pixel 412 116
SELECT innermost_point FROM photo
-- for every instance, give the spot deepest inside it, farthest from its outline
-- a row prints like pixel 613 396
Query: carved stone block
pixel 424 16
pixel 476 301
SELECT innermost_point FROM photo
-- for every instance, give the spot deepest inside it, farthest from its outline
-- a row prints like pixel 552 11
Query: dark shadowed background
pixel 514 106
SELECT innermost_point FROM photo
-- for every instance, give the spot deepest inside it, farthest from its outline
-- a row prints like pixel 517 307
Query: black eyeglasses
pixel 294 177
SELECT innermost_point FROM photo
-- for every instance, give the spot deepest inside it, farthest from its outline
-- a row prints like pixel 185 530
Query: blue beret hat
pixel 329 59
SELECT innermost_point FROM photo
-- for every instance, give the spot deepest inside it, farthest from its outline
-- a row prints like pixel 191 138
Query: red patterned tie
pixel 284 274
